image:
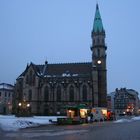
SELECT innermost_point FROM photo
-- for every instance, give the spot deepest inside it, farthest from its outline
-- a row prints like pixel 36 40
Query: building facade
pixel 50 87
pixel 110 101
pixel 6 98
pixel 126 101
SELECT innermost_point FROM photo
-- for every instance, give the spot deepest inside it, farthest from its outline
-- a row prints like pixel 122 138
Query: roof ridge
pixel 69 63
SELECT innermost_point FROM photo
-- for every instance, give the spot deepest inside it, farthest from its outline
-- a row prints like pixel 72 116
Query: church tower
pixel 98 49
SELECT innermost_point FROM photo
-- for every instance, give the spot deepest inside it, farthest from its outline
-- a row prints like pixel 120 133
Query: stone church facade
pixel 50 87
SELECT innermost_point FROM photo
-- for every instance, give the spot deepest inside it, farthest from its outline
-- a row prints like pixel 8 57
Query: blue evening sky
pixel 60 31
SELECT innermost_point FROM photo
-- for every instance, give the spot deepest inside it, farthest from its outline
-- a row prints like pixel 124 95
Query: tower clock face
pixel 99 62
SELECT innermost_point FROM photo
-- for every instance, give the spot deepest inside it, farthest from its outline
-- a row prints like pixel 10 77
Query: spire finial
pixel 46 61
pixel 97 26
pixel 97 7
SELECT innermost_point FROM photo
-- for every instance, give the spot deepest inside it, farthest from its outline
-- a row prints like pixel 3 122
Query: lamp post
pixel 23 109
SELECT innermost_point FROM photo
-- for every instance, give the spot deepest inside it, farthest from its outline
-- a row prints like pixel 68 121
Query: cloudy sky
pixel 60 31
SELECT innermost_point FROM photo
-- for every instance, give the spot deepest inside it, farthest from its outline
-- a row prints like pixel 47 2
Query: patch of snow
pixel 136 118
pixel 12 123
pixel 128 120
pixel 47 75
pixel 6 86
pixel 66 75
pixel 75 75
pixel 122 121
pixel 38 73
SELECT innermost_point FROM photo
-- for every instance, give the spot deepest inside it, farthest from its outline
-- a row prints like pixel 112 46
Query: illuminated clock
pixel 99 62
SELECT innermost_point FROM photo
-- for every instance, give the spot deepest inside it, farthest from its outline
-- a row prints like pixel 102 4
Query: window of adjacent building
pixel 30 95
pixel 71 93
pixel 58 93
pixel 46 93
pixel 84 93
pixel 5 94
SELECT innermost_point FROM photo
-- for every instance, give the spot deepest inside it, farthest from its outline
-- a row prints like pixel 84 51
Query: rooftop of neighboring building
pixel 123 90
pixel 6 86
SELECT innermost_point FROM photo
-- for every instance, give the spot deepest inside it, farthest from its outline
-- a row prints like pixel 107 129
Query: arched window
pixel 27 79
pixel 30 78
pixel 58 93
pixel 71 93
pixel 46 93
pixel 33 79
pixel 30 95
pixel 84 93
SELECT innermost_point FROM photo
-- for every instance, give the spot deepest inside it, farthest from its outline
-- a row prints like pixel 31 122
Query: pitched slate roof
pixel 65 69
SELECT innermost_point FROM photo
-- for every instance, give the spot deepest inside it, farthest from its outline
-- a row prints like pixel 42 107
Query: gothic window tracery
pixel 46 93
pixel 30 95
pixel 58 93
pixel 84 93
pixel 71 93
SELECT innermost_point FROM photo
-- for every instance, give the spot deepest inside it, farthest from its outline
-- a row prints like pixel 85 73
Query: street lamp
pixel 19 104
pixel 28 105
pixel 23 108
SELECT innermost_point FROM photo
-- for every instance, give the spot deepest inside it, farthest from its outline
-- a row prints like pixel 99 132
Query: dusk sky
pixel 60 31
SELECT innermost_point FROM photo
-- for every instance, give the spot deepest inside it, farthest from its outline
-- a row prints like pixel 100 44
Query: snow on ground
pixel 136 118
pixel 122 120
pixel 127 120
pixel 12 123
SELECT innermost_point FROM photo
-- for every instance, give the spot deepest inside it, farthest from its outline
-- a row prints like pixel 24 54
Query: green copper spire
pixel 97 26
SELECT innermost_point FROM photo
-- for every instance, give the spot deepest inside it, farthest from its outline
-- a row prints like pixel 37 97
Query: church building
pixel 48 88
